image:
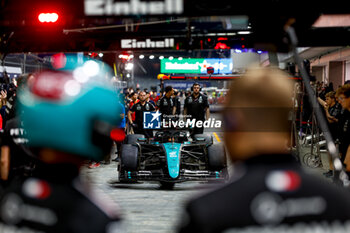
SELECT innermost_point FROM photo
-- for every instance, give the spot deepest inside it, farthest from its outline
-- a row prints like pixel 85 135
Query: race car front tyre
pixel 216 157
pixel 132 138
pixel 208 139
pixel 129 157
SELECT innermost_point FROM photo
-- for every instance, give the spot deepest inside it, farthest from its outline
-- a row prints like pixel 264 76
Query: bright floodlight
pixel 48 17
pixel 142 56
pixel 129 66
pixel 91 68
pixel 151 57
pixel 244 32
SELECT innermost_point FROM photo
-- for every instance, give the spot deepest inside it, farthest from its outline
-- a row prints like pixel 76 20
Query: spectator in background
pixel 269 191
pixel 332 112
pixel 148 99
pixel 3 97
pixel 154 97
pixel 332 115
pixel 133 100
pixel 11 102
pixel 344 124
pixel 330 87
pixel 17 160
pixel 4 85
pixel 138 109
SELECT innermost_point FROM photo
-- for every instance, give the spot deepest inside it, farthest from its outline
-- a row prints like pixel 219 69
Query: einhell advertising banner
pixel 148 43
pixel 133 7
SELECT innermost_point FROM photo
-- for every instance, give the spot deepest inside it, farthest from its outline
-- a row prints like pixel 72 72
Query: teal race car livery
pixel 171 157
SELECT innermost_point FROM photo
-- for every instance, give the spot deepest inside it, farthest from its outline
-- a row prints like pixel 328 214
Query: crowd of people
pixel 336 109
pixel 56 129
pixel 171 103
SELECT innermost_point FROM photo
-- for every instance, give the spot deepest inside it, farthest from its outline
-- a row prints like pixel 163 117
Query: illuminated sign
pixel 133 7
pixel 148 43
pixel 183 85
pixel 196 65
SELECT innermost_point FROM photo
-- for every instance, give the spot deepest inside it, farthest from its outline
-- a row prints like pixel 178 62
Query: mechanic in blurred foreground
pixel 268 190
pixel 66 124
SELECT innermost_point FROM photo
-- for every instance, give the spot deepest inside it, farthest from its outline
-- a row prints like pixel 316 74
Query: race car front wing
pixel 185 175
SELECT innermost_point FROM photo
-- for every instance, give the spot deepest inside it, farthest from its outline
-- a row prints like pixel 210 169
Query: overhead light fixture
pixel 231 34
pixel 151 57
pixel 243 32
pixel 171 58
pixel 100 54
pixel 337 20
pixel 125 57
pixel 142 56
pixel 180 58
pixel 129 66
pixel 161 57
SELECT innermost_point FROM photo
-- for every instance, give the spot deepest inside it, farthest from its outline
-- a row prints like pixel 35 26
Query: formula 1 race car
pixel 171 157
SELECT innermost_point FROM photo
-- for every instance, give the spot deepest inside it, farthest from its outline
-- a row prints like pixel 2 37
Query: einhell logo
pixel 148 43
pixel 133 7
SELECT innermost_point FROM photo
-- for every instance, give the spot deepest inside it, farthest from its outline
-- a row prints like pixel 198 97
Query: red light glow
pixel 48 17
pixel 222 38
pixel 221 46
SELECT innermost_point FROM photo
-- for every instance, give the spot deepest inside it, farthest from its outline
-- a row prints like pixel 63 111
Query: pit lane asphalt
pixel 145 207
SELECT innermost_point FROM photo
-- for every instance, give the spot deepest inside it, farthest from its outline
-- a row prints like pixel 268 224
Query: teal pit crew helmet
pixel 72 108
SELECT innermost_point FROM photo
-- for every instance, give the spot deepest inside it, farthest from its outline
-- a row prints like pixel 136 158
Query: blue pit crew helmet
pixel 71 109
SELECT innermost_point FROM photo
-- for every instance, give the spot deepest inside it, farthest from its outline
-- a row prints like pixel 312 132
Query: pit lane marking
pixel 217 137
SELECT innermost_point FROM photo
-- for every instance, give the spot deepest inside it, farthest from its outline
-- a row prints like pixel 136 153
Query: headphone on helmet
pixel 195 84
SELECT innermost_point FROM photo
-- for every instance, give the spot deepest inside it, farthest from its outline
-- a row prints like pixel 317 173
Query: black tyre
pixel 217 157
pixel 132 138
pixel 208 139
pixel 167 185
pixel 129 157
